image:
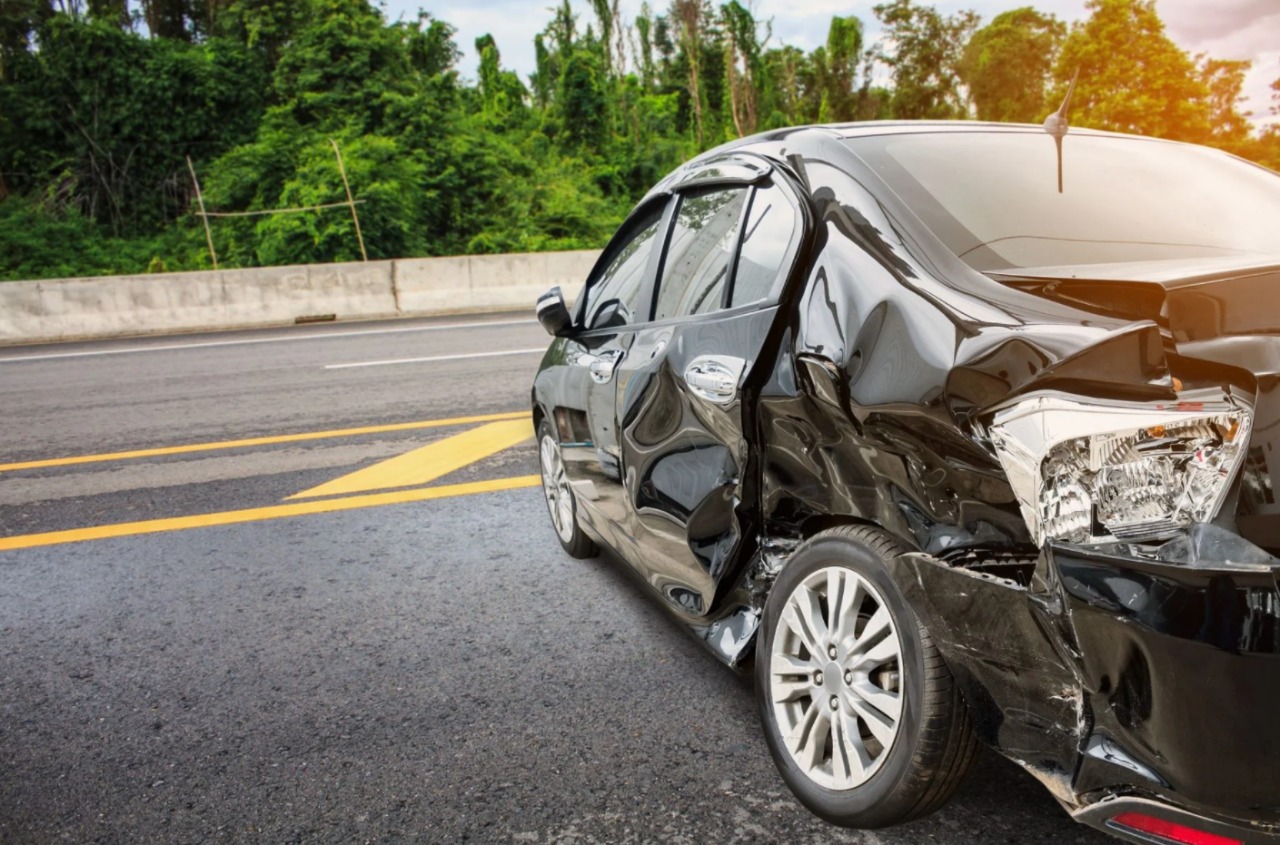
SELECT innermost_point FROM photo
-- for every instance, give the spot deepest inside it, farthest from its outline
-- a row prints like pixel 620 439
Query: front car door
pixel 576 383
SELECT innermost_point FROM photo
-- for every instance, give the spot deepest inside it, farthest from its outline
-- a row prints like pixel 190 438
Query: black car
pixel 962 432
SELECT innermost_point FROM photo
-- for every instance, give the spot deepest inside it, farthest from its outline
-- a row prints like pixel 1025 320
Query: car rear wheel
pixel 860 712
pixel 559 495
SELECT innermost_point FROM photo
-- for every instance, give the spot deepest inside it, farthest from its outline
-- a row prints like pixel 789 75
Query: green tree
pixel 115 12
pixel 343 68
pixel 500 90
pixel 583 100
pixel 693 23
pixel 787 69
pixel 432 51
pixel 838 70
pixel 1008 63
pixel 1224 79
pixel 101 101
pixel 379 174
pixel 610 27
pixel 924 59
pixel 645 53
pixel 103 118
pixel 389 95
pixel 743 64
pixel 19 21
pixel 174 19
pixel 550 46
pixel 262 25
pixel 1132 77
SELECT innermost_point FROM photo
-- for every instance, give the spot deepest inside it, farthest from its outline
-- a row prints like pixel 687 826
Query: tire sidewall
pixel 858 805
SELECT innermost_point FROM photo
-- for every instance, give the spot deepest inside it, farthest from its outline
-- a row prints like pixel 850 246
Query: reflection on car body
pixel 955 457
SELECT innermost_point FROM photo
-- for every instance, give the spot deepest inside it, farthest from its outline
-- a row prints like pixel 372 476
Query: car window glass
pixel 771 226
pixel 993 198
pixel 697 266
pixel 614 298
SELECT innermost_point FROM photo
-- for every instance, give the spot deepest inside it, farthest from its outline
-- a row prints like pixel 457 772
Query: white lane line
pixel 538 351
pixel 170 347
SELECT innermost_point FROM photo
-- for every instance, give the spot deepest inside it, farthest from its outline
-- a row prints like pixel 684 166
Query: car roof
pixel 763 144
pixel 760 142
pixel 899 127
pixel 867 128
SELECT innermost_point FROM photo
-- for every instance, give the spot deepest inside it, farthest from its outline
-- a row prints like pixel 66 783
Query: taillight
pixel 1170 831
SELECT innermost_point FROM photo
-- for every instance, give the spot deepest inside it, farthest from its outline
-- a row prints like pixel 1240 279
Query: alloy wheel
pixel 555 486
pixel 835 679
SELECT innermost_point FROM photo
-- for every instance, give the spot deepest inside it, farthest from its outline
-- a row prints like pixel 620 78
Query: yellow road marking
pixel 260 441
pixel 424 465
pixel 182 523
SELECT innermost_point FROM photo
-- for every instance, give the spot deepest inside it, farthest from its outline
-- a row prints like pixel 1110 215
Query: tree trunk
pixel 690 14
pixel 733 83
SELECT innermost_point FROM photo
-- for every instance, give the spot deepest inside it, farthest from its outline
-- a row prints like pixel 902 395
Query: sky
pixel 1224 29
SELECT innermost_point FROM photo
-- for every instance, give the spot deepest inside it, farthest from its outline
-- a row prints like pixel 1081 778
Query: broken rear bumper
pixel 1149 822
pixel 1179 667
pixel 1116 679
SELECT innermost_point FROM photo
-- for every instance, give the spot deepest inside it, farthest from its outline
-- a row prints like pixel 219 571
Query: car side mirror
pixel 553 314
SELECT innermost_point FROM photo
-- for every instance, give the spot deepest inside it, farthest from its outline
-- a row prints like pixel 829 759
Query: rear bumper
pixel 1140 820
pixel 1180 669
pixel 1114 678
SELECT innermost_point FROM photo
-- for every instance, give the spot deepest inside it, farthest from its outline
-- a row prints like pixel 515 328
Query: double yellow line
pixel 260 441
pixel 421 466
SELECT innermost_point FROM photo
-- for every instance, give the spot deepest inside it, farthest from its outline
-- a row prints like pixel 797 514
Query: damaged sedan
pixel 953 433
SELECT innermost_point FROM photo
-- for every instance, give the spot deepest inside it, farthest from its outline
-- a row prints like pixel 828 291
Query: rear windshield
pixel 992 197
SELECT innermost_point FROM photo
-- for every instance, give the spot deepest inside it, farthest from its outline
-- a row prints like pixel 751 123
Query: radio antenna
pixel 1056 124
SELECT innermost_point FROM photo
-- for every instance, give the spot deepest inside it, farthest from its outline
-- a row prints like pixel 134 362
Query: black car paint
pixel 1105 674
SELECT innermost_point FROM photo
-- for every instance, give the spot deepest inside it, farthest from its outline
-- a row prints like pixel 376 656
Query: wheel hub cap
pixel 835 669
pixel 555 486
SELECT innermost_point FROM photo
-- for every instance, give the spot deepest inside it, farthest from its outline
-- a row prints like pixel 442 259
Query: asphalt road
pixel 243 665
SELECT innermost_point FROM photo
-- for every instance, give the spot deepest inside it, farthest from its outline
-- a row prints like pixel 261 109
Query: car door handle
pixel 601 367
pixel 715 378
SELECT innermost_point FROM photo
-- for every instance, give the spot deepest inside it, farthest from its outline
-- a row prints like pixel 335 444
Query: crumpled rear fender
pixel 1108 675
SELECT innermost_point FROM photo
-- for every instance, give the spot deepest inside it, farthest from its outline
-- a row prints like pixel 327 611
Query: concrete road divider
pixel 487 282
pixel 111 306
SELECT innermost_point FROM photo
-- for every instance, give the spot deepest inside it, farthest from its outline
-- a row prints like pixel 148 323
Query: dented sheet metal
pixel 1101 672
pixel 1108 675
pixel 1177 662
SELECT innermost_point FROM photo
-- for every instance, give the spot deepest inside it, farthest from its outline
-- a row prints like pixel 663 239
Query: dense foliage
pixel 103 101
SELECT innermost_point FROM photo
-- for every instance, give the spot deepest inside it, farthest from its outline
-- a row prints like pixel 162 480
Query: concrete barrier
pixel 110 306
pixel 487 282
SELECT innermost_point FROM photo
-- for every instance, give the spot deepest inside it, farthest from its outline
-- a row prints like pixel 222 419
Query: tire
pixel 561 503
pixel 902 742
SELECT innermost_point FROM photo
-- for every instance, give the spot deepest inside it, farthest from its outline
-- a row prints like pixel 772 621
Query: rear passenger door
pixel 681 416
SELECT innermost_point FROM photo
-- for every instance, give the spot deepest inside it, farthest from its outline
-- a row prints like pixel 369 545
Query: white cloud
pixel 1240 21
pixel 1257 86
pixel 1232 29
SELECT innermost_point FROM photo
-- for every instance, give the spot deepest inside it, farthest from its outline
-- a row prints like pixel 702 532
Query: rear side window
pixel 771 226
pixel 614 299
pixel 699 259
